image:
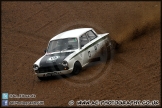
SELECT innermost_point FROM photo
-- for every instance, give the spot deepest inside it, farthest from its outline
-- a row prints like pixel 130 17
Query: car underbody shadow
pixel 58 77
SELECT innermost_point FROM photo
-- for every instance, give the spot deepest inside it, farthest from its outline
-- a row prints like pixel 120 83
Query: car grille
pixel 51 68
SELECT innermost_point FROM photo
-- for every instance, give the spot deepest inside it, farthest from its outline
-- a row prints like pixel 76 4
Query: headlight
pixel 35 67
pixel 65 63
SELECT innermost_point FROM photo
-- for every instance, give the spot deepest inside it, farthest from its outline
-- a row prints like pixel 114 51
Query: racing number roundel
pixel 53 58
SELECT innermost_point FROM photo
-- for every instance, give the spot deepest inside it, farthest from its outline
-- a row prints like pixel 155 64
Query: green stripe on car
pixel 89 46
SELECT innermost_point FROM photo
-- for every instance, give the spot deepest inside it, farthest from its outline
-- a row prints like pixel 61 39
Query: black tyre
pixel 77 68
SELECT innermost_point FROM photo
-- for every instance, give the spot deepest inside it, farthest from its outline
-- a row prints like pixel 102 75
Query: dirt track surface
pixel 132 74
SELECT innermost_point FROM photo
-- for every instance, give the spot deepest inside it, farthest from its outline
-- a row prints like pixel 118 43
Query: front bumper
pixel 55 73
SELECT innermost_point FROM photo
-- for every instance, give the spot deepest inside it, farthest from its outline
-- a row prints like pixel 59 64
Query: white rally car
pixel 70 51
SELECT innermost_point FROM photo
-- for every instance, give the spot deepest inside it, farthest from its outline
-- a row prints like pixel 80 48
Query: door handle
pixel 95 47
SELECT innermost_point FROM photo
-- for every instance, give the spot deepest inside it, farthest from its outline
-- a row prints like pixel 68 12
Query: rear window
pixel 91 35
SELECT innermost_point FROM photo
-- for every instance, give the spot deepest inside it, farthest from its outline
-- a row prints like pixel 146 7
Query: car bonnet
pixel 56 58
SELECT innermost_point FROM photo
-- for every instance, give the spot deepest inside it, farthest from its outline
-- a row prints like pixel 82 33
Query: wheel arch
pixel 76 69
pixel 76 62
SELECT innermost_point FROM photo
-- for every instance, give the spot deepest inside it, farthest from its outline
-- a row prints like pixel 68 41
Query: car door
pixel 94 46
pixel 85 49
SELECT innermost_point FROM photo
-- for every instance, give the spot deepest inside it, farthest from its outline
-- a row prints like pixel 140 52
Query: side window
pixel 83 40
pixel 91 35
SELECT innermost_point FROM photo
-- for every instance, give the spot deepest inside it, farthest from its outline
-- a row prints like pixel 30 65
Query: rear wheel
pixel 77 68
pixel 115 45
pixel 108 52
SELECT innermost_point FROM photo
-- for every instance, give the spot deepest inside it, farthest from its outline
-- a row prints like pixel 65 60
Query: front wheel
pixel 77 68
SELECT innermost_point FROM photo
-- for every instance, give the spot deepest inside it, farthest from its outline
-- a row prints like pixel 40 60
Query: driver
pixel 63 44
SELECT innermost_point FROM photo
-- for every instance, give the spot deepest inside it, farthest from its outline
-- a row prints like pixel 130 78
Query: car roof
pixel 71 33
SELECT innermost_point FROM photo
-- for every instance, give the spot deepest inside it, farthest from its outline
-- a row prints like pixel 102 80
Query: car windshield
pixel 62 45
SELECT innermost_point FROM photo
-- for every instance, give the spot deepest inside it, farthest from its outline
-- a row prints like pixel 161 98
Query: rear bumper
pixel 55 73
